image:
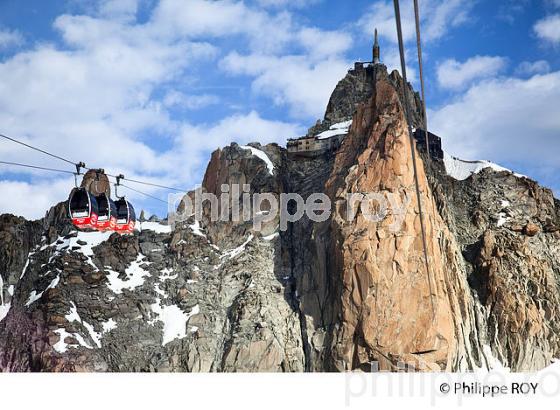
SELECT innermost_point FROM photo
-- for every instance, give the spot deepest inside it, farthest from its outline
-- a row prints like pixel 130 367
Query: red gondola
pixel 107 215
pixel 126 217
pixel 82 208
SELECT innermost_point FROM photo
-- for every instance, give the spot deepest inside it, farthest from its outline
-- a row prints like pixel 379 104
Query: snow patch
pixel 340 128
pixel 73 316
pixel 493 362
pixel 26 265
pixel 154 226
pixel 91 240
pixel 196 229
pixel 34 296
pixel 166 274
pixel 262 155
pixel 109 325
pixel 502 219
pixel 237 251
pixel 61 346
pixel 460 169
pixel 174 320
pixel 135 276
pixel 4 307
pixel 271 237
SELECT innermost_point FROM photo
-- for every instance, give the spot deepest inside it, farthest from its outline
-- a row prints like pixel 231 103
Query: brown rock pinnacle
pixel 386 305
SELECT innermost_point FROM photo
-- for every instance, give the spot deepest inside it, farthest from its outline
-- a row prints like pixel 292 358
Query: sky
pixel 149 88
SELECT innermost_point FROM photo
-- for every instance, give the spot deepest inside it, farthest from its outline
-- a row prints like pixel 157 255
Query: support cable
pixel 412 145
pixel 421 72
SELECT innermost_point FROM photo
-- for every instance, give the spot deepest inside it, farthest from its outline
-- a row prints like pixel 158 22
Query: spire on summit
pixel 375 59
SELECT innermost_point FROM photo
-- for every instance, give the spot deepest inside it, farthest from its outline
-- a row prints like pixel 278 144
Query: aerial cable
pixel 80 165
pixel 36 167
pixel 143 193
pixel 37 149
pixel 412 144
pixel 147 183
pixel 421 69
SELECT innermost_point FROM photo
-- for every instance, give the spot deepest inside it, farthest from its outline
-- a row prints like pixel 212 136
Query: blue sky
pixel 150 87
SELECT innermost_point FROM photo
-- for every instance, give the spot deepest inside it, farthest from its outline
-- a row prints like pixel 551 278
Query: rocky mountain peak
pixel 336 295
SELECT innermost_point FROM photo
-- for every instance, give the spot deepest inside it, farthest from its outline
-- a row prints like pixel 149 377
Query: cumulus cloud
pixel 508 120
pixel 548 29
pixel 10 38
pixel 324 44
pixel 102 95
pixel 533 67
pixel 32 199
pixel 178 99
pixel 452 74
pixel 196 18
pixel 303 85
pixel 287 3
pixel 438 17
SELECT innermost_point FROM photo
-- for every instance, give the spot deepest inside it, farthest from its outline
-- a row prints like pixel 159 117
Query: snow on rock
pixel 166 274
pixel 196 229
pixel 109 325
pixel 502 216
pixel 493 362
pixel 61 346
pixel 262 155
pixel 502 219
pixel 271 237
pixel 174 320
pixel 73 316
pixel 26 264
pixel 135 276
pixel 237 251
pixel 340 128
pixel 4 307
pixel 461 169
pixel 34 296
pixel 154 226
pixel 91 239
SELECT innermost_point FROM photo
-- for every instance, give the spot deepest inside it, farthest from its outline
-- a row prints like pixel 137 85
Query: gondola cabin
pixel 126 217
pixel 83 209
pixel 107 216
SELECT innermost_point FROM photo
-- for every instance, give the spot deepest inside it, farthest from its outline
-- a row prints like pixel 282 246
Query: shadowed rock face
pixel 330 296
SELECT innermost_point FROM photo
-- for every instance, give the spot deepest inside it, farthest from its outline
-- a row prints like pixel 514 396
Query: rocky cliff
pixel 352 292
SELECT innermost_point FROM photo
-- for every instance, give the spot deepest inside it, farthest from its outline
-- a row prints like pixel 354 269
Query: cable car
pixel 82 208
pixel 107 216
pixel 126 217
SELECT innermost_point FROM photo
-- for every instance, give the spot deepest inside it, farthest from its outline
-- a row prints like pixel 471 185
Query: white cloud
pixel 223 18
pixel 33 199
pixel 505 120
pixel 548 29
pixel 533 67
pixel 190 102
pixel 437 17
pixel 287 3
pixel 10 38
pixel 453 74
pixel 119 9
pixel 294 81
pixel 324 44
pixel 92 99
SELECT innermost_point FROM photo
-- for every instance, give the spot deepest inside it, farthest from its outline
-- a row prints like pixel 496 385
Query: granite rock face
pixel 347 293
